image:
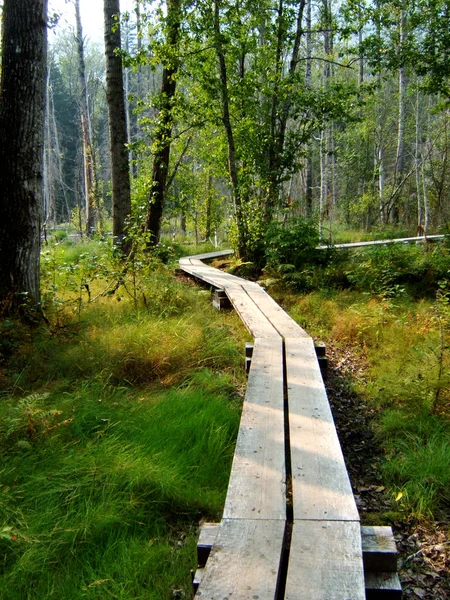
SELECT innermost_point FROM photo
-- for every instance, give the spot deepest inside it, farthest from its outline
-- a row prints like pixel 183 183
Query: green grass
pixel 102 477
pixel 402 350
pixel 418 450
pixel 117 430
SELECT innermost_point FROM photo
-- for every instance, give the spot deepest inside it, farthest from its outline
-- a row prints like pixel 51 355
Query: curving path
pixel 290 527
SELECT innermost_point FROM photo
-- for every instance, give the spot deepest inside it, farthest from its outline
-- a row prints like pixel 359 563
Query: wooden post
pixel 248 356
pixel 220 300
pixel 321 350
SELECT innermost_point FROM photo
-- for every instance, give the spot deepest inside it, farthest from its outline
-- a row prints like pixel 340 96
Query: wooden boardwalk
pixel 290 526
pixel 410 240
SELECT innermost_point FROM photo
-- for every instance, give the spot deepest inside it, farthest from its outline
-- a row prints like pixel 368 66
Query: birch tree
pixel 86 132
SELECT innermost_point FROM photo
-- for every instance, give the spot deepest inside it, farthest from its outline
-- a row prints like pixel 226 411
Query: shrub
pixel 291 252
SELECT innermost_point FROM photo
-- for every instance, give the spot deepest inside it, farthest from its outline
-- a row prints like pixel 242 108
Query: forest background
pixel 353 131
pixel 282 124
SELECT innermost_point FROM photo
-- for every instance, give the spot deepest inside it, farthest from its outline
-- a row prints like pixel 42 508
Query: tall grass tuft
pixel 105 485
pixel 418 450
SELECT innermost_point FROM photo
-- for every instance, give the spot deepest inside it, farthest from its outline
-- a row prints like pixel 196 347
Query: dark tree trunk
pixel 22 112
pixel 164 130
pixel 226 120
pixel 120 172
pixel 280 114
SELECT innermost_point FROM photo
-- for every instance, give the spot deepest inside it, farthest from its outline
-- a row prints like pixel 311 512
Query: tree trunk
pixel 88 154
pixel 164 130
pixel 209 199
pixel 22 113
pixel 400 154
pixel 226 120
pixel 308 162
pixel 120 171
pixel 279 115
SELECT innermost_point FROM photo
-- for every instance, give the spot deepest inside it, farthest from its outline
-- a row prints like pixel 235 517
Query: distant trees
pixel 241 114
pixel 22 110
pixel 90 175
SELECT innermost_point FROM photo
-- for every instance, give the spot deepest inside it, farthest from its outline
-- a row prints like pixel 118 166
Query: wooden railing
pixel 290 526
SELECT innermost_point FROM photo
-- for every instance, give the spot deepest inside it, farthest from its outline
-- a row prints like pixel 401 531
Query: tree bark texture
pixel 22 113
pixel 280 114
pixel 164 129
pixel 120 172
pixel 226 120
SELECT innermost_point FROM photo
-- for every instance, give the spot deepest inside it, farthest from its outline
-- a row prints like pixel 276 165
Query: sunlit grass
pixel 117 428
pixel 404 347
pixel 94 475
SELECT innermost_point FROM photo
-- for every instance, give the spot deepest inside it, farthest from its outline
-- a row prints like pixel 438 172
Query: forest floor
pixel 423 546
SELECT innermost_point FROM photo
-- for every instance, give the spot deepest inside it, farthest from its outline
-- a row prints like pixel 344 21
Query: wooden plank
pixel 383 586
pixel 325 561
pixel 321 487
pixel 428 238
pixel 253 318
pixel 379 549
pixel 212 255
pixel 209 274
pixel 282 322
pixel 206 539
pixel 244 561
pixel 257 483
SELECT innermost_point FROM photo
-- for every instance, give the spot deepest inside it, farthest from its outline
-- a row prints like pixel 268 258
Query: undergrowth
pixel 396 322
pixel 117 429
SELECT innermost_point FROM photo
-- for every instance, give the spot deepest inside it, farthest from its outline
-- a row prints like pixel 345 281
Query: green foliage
pixel 102 487
pixel 291 252
pixel 117 429
pixel 292 242
pixel 418 451
pixel 398 268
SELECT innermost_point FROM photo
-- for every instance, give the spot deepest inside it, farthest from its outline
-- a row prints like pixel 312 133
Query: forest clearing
pixel 278 129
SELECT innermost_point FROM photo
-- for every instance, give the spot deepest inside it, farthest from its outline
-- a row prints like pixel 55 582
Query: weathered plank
pixel 428 238
pixel 283 323
pixel 210 275
pixel 321 487
pixel 257 482
pixel 244 561
pixel 325 561
pixel 253 318
pixel 379 549
pixel 207 537
pixel 383 586
pixel 211 255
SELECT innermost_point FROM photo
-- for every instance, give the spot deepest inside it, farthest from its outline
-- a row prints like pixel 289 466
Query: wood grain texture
pixel 244 561
pixel 379 549
pixel 282 322
pixel 252 316
pixel 383 586
pixel 321 487
pixel 325 561
pixel 257 482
